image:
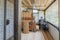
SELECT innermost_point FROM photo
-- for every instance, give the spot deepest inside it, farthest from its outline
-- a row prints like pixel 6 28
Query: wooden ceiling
pixel 12 1
pixel 38 4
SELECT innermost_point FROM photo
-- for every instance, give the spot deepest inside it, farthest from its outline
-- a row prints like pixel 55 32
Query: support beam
pixel 40 2
pixel 46 3
pixel 50 5
pixel 44 15
pixel 12 1
pixel 35 1
pixel 29 2
pixel 24 3
pixel 35 9
pixel 15 19
pixel 5 3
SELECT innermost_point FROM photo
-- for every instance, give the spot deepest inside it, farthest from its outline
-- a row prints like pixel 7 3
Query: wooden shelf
pixel 27 18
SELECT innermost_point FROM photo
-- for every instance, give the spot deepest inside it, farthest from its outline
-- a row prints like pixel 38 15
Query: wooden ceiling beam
pixel 24 3
pixel 35 1
pixel 46 3
pixel 40 2
pixel 29 2
pixel 50 5
pixel 12 1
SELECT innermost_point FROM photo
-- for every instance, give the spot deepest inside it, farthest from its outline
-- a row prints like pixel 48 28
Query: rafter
pixel 35 1
pixel 40 2
pixel 24 3
pixel 46 3
pixel 12 1
pixel 29 2
pixel 50 5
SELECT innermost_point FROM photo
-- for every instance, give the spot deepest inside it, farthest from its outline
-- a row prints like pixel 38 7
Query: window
pixel 36 15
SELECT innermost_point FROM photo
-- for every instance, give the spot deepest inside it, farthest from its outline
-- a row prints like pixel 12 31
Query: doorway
pixel 10 28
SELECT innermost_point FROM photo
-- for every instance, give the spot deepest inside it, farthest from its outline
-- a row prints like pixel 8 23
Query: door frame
pixel 15 19
pixel 5 2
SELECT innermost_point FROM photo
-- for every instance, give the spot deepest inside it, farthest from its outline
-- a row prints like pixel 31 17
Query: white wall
pixel 10 17
pixel 9 29
pixel 54 32
pixel 1 19
pixel 52 16
pixel 52 13
pixel 19 19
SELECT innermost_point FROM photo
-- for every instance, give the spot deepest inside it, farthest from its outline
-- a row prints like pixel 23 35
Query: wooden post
pixel 15 19
pixel 44 15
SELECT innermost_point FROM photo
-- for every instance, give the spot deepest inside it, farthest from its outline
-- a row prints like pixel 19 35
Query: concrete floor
pixel 32 36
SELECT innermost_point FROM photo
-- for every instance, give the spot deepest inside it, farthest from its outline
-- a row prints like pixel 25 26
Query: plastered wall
pixel 1 19
pixel 9 16
pixel 52 16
